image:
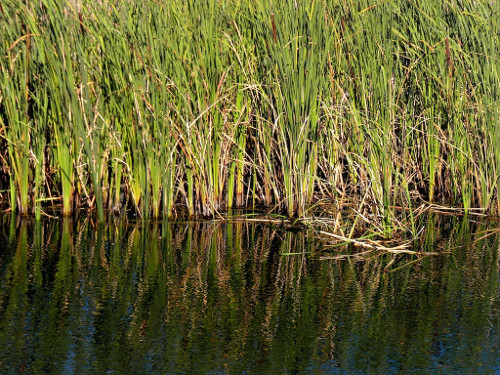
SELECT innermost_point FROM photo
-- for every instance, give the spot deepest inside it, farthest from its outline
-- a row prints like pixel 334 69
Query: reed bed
pixel 167 108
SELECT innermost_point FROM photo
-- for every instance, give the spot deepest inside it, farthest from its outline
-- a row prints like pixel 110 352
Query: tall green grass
pixel 193 107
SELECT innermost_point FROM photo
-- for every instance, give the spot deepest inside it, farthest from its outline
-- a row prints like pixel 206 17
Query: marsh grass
pixel 170 108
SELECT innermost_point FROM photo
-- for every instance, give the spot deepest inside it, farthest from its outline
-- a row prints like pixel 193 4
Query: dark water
pixel 76 298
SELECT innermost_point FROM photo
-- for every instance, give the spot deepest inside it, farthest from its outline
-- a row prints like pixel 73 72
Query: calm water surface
pixel 77 298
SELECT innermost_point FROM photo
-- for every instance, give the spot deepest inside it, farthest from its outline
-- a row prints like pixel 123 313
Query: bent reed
pixel 194 107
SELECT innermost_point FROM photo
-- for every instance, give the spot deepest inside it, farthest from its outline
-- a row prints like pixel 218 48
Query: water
pixel 77 298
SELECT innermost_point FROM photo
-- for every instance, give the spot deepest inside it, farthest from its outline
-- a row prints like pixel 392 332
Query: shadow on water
pixel 221 298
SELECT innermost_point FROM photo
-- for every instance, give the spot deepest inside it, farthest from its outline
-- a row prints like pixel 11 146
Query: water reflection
pixel 221 298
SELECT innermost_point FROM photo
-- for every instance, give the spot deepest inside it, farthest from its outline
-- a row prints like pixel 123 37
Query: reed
pixel 170 108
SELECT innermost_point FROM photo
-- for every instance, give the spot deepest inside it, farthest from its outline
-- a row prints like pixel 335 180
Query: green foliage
pixel 196 106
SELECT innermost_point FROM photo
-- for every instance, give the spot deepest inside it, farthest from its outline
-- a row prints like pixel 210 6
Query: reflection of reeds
pixel 193 107
pixel 228 288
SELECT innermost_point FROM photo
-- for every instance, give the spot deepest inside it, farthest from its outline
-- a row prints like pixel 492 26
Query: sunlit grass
pixel 191 107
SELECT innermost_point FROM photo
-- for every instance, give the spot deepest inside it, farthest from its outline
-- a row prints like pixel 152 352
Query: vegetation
pixel 170 107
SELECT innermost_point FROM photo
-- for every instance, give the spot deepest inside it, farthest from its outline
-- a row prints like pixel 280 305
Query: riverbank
pixel 198 107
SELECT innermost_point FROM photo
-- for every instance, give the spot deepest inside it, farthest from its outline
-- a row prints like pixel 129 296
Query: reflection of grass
pixel 206 295
pixel 196 106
